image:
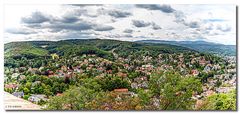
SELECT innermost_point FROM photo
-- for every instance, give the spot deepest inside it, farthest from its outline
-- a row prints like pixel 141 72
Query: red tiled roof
pixel 121 90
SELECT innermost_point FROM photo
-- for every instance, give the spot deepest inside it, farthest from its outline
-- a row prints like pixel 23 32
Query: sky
pixel 128 22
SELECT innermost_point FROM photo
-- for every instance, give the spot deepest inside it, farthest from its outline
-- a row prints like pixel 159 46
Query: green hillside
pixel 99 47
pixel 23 48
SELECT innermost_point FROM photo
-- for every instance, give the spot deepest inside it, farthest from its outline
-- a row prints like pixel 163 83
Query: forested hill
pixel 100 47
pixel 202 46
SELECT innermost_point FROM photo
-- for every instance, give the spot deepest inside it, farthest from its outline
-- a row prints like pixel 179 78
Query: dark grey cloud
pixel 180 17
pixel 80 26
pixel 193 24
pixel 35 17
pixel 155 26
pixel 66 22
pixel 69 19
pixel 128 31
pixel 164 8
pixel 119 14
pixel 102 28
pixel 140 23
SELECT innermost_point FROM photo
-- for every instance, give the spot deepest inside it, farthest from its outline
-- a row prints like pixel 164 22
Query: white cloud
pixel 215 23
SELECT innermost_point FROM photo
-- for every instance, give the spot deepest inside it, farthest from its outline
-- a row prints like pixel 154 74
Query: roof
pixel 121 90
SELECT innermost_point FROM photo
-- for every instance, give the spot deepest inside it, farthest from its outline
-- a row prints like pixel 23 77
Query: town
pixel 128 74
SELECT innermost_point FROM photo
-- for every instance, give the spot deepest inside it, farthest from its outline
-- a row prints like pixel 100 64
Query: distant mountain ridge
pixel 201 46
pixel 102 47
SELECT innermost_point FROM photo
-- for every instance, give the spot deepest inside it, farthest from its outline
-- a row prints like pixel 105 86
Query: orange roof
pixel 121 90
pixel 59 94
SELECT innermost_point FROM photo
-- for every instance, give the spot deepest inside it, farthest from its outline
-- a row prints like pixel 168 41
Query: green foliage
pixel 73 99
pixel 26 90
pixel 109 65
pixel 114 101
pixel 26 97
pixel 145 98
pixel 109 83
pixel 175 91
pixel 220 101
pixel 23 48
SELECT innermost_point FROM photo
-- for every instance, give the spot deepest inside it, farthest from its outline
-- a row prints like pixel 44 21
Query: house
pixel 124 91
pixel 36 83
pixel 18 94
pixel 134 85
pixel 202 62
pixel 224 89
pixel 59 94
pixel 121 90
pixel 60 73
pixel 209 92
pixel 10 86
pixel 143 85
pixel 50 72
pixel 120 74
pixel 33 70
pixel 36 98
pixel 194 72
pixel 76 69
pixel 207 68
pixel 109 71
pixel 15 75
pixel 64 68
pixel 22 69
pixel 22 77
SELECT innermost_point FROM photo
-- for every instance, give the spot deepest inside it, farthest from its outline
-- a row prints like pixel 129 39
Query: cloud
pixel 140 23
pixel 119 14
pixel 123 22
pixel 164 8
pixel 23 31
pixel 225 28
pixel 208 26
pixel 193 24
pixel 35 17
pixel 155 26
pixel 214 20
pixel 180 17
pixel 69 19
pixel 102 28
pixel 77 34
pixel 84 5
pixel 80 26
pixel 128 35
pixel 128 31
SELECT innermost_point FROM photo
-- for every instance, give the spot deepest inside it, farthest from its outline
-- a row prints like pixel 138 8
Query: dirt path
pixel 14 103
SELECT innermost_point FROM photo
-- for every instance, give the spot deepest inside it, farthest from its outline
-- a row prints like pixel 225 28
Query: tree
pixel 145 98
pixel 220 101
pixel 26 90
pixel 74 98
pixel 113 82
pixel 173 90
pixel 114 101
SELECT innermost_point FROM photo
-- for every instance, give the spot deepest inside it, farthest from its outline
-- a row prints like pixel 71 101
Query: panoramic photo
pixel 137 57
